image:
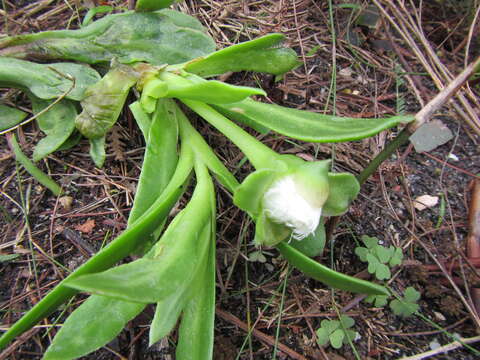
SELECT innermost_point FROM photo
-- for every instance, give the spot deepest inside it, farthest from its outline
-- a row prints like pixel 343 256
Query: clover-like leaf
pixel 322 336
pixel 397 257
pixel 377 300
pixel 383 254
pixel 347 321
pixel 369 241
pixel 372 263
pixel 336 338
pixel 379 258
pixel 336 332
pixel 406 306
pixel 361 252
pixel 382 272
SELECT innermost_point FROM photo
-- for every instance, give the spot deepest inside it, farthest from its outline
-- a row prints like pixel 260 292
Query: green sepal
pixel 313 244
pixel 259 55
pixel 312 180
pixel 343 188
pixel 269 233
pixel 249 195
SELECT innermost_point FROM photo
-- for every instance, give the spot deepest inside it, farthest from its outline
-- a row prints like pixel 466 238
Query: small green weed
pixel 407 305
pixel 336 332
pixel 380 258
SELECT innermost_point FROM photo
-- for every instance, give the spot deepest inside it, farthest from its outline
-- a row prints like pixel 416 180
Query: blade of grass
pixel 38 174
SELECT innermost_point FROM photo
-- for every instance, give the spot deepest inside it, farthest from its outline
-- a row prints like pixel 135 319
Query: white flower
pixel 285 203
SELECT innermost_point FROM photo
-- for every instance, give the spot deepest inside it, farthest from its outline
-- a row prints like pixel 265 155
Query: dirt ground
pixel 359 67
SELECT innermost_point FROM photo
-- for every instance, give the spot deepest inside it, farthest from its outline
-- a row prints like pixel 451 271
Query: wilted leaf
pixel 425 201
pixel 86 227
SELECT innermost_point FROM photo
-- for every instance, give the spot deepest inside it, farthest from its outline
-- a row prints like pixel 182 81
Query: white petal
pixel 284 205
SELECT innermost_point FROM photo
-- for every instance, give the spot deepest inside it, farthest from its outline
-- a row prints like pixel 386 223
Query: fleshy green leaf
pixel 47 81
pixel 143 119
pixel 115 251
pixel 161 37
pixel 152 5
pixel 196 331
pixel 72 141
pixel 167 313
pixel 343 188
pixel 328 276
pixel 10 117
pixel 96 322
pixel 97 151
pixel 249 195
pixel 259 55
pixel 104 101
pixel 176 257
pixel 58 123
pixel 160 159
pixel 94 11
pixel 308 126
pixel 179 255
pixel 210 92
